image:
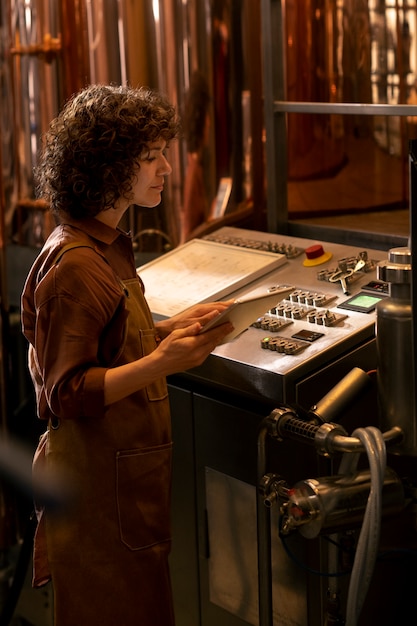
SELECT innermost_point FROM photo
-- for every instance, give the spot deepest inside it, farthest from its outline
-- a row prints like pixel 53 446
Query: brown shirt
pixel 82 314
pixel 67 302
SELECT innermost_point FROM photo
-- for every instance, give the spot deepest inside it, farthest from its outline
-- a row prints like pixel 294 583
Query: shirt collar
pixel 96 229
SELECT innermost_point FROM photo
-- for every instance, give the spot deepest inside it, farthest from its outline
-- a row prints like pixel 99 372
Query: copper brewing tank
pixel 49 49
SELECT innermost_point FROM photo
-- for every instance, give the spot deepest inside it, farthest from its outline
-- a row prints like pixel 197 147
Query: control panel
pixel 332 306
pixel 313 307
pixel 329 312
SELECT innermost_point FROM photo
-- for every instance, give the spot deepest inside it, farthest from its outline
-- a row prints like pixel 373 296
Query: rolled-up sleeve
pixel 79 318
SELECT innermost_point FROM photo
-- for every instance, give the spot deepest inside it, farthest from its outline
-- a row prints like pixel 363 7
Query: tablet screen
pixel 244 311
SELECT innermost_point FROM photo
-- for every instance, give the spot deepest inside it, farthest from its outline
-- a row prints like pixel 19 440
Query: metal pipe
pixel 327 438
pixel 340 443
pixel 4 308
pixel 264 537
pixel 340 396
pixel 342 108
pixel 413 248
pixel 332 503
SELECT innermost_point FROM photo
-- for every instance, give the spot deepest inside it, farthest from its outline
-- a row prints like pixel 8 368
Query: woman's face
pixel 149 177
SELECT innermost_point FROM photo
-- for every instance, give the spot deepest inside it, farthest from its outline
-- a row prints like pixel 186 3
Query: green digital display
pixel 362 302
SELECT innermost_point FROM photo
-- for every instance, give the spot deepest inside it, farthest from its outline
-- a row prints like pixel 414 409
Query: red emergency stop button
pixel 315 255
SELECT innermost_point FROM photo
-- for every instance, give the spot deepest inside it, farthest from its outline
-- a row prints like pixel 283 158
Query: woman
pixel 98 363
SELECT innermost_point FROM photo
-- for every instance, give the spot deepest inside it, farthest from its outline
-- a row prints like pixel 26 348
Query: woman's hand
pixel 185 348
pixel 201 313
pixel 182 347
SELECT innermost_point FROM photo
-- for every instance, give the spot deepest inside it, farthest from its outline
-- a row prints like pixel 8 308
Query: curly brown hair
pixel 93 146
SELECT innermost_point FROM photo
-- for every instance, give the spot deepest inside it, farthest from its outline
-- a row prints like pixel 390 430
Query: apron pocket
pixel 143 482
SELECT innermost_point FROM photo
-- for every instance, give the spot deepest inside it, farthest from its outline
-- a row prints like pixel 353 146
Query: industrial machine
pixel 294 442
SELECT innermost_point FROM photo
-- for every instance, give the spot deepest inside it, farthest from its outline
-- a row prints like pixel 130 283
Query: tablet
pixel 246 310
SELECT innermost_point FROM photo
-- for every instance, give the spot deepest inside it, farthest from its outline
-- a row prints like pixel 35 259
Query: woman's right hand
pixel 181 350
pixel 185 348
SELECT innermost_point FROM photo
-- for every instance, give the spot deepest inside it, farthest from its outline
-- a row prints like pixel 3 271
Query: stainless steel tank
pixel 394 341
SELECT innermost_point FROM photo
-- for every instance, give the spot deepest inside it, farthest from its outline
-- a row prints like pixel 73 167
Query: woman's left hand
pixel 201 313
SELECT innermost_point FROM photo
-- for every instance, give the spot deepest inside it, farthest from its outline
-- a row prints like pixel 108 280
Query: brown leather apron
pixel 108 553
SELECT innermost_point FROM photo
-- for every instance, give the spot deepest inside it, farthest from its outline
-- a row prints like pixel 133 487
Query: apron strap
pixel 71 246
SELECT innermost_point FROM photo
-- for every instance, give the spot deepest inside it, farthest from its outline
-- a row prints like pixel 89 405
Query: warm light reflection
pixel 155 10
pixel 356 52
